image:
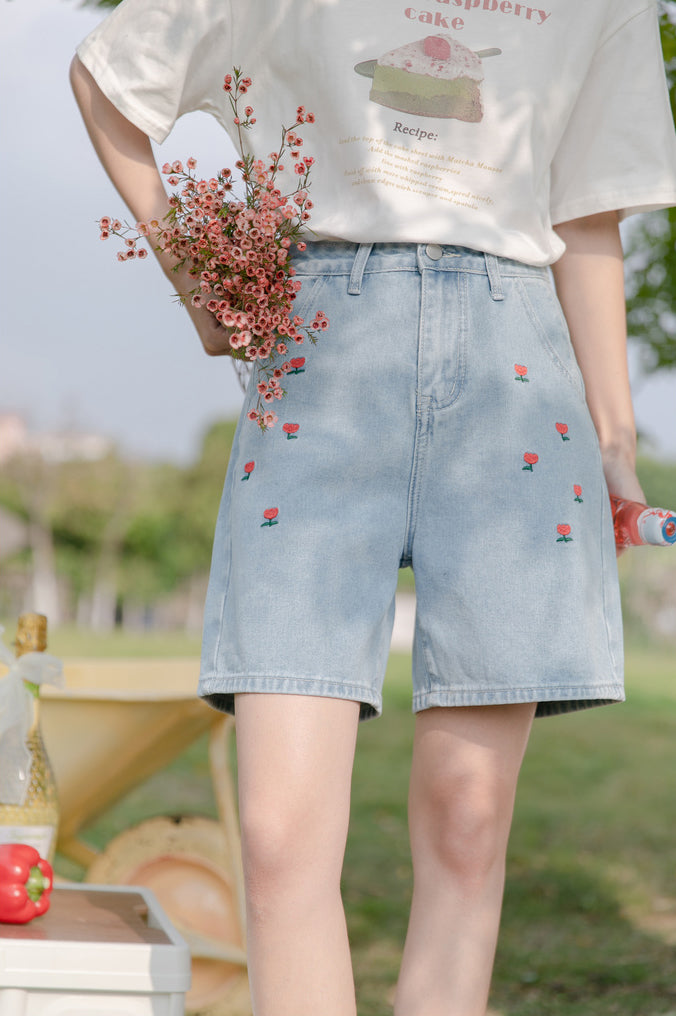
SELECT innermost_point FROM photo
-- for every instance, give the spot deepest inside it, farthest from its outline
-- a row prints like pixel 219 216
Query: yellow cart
pixel 114 724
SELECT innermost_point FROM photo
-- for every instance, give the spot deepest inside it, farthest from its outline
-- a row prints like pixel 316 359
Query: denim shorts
pixel 440 423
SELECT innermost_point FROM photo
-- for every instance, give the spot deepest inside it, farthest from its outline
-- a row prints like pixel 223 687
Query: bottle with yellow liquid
pixel 29 811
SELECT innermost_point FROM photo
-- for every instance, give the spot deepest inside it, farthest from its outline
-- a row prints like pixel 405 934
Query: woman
pixel 458 417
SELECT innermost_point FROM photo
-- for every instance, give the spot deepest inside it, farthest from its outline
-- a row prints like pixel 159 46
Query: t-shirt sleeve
pixel 158 59
pixel 619 147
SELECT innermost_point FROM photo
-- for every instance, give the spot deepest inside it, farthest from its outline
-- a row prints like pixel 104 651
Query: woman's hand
pixel 214 337
pixel 621 478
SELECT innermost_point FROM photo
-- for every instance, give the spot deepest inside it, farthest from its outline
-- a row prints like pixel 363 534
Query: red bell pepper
pixel 25 883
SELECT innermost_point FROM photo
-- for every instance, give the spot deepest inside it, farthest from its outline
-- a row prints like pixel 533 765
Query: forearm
pixel 125 152
pixel 127 157
pixel 589 280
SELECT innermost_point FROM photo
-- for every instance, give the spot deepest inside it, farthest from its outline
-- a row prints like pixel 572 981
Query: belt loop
pixel 358 266
pixel 494 277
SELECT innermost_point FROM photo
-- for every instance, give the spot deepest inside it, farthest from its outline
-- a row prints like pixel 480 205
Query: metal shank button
pixel 434 251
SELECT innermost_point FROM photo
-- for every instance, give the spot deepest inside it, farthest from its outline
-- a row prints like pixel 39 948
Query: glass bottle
pixel 36 820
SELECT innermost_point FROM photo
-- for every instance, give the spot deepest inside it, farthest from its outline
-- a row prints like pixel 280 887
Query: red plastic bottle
pixel 637 524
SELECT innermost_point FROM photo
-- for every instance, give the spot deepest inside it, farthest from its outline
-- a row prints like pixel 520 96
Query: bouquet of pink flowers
pixel 238 250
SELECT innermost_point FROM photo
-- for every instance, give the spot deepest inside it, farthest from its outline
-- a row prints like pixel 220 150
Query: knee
pixel 463 824
pixel 285 844
pixel 268 842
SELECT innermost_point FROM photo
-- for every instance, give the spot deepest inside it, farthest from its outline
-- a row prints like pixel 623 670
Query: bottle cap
pixel 31 634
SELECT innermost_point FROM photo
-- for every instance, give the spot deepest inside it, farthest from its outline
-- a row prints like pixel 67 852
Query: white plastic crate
pixel 98 951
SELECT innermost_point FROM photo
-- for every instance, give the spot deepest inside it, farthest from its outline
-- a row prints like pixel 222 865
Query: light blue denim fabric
pixel 442 425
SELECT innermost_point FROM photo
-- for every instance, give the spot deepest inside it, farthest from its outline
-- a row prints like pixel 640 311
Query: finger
pixel 216 348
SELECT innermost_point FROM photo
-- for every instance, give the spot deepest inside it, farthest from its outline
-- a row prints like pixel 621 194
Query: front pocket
pixel 542 306
pixel 308 299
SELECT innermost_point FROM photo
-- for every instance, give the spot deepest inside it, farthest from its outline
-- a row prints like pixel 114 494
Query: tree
pixel 651 253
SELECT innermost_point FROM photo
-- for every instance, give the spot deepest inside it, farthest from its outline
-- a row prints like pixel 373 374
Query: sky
pixel 88 343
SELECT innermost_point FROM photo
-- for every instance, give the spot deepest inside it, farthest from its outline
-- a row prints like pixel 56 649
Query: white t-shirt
pixel 472 122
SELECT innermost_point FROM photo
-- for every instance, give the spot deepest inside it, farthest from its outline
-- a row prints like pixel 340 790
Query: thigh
pixel 516 580
pixel 295 756
pixel 310 532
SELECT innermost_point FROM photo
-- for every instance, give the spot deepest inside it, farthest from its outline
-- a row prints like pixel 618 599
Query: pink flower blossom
pixel 238 251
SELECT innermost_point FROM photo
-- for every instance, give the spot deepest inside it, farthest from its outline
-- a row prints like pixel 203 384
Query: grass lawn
pixel 589 926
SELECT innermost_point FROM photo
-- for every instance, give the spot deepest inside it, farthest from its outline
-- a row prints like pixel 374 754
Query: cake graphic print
pixel 436 76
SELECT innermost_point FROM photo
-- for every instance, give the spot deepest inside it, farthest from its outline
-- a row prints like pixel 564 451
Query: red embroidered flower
pixel 577 490
pixel 297 365
pixel 270 516
pixel 530 458
pixel 291 430
pixel 564 533
pixel 563 431
pixel 521 372
pixel 248 470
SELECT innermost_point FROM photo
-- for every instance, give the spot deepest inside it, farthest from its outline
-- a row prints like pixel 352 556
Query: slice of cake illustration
pixel 435 76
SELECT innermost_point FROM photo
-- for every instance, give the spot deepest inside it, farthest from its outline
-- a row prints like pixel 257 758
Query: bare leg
pixel 465 767
pixel 295 756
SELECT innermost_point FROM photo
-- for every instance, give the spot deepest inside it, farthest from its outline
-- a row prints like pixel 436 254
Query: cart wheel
pixel 185 862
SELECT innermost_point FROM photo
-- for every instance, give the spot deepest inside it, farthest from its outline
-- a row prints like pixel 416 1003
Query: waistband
pixel 338 257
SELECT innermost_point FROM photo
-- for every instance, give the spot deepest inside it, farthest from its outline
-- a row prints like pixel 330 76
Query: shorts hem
pixel 219 690
pixel 565 700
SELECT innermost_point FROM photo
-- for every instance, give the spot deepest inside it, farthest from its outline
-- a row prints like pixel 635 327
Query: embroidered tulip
pixel 291 430
pixel 248 470
pixel 577 490
pixel 521 372
pixel 563 431
pixel 564 534
pixel 530 458
pixel 270 516
pixel 297 365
